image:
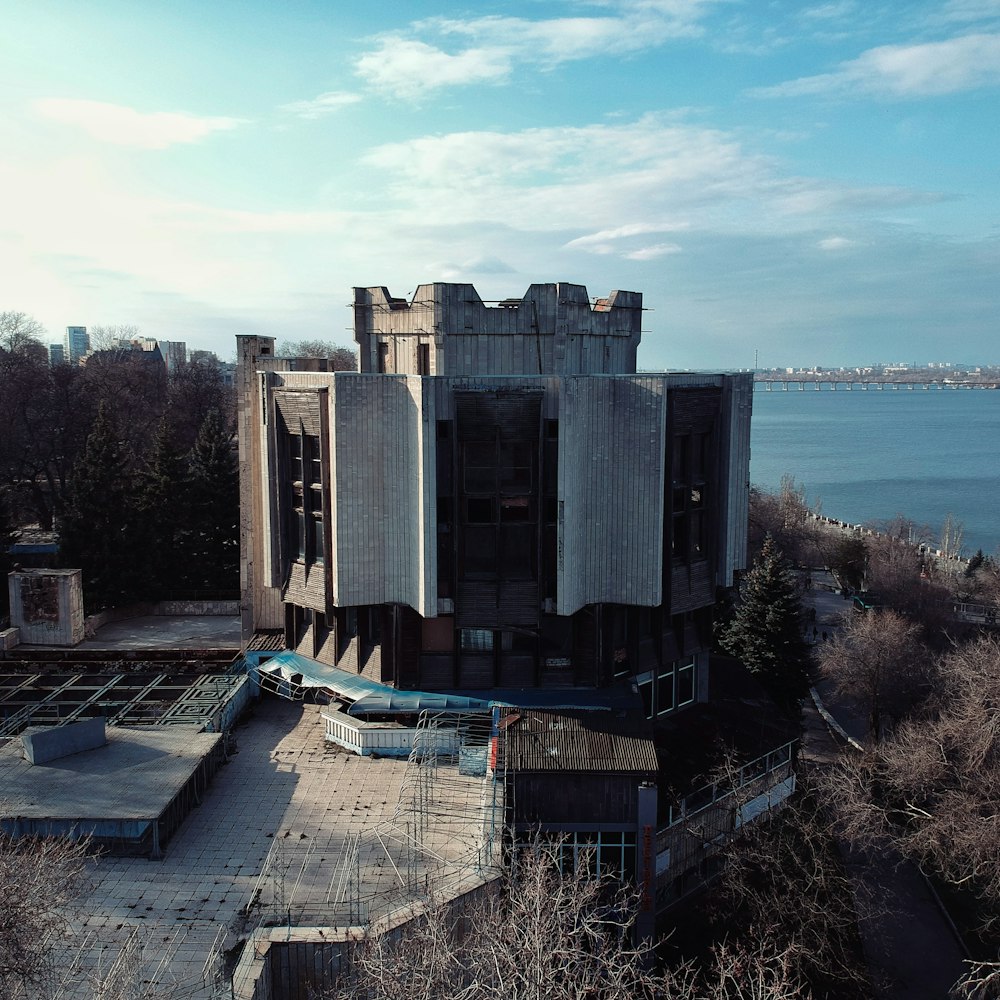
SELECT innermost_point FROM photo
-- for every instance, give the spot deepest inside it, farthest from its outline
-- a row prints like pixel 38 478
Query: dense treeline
pixel 928 680
pixel 134 470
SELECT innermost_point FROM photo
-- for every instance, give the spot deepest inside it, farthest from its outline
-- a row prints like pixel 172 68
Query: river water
pixel 868 455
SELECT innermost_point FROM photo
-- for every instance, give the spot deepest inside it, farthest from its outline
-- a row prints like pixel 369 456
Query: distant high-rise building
pixel 174 354
pixel 57 355
pixel 77 344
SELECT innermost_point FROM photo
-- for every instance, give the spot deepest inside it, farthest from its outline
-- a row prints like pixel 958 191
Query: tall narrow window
pixel 423 359
pixel 306 537
pixel 689 492
pixel 383 358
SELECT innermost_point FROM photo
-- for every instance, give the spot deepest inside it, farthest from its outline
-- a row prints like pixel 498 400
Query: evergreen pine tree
pixel 99 531
pixel 163 513
pixel 213 553
pixel 766 632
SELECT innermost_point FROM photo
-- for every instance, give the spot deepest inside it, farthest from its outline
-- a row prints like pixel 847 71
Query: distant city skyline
pixel 814 181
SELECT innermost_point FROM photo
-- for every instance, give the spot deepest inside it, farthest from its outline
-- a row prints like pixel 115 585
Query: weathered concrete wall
pixel 294 963
pixel 552 328
pixel 47 606
pixel 383 495
pixel 611 491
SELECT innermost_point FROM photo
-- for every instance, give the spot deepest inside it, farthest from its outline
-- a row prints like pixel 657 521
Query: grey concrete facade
pixel 496 499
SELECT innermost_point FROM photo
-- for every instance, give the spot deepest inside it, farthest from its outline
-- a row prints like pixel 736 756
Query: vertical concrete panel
pixel 611 491
pixel 379 503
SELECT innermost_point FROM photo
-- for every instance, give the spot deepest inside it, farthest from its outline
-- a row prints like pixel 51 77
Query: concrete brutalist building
pixel 498 506
pixel 497 500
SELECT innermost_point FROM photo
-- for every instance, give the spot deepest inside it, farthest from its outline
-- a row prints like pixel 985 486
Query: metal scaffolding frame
pixel 445 832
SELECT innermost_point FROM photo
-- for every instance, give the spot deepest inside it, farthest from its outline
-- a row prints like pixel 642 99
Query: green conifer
pixel 766 632
pixel 164 516
pixel 99 530
pixel 214 550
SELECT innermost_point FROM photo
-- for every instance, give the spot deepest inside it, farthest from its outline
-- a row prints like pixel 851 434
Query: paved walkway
pixel 287 801
pixel 911 949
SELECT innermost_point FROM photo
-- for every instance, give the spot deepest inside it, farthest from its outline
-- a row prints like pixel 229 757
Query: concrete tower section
pixel 496 500
pixel 447 329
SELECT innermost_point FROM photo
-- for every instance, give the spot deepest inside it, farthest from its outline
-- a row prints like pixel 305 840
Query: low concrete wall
pixel 294 963
pixel 53 742
pixel 162 609
pixel 226 609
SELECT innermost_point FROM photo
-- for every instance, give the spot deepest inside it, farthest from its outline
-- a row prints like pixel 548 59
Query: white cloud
pixel 322 105
pixel 652 252
pixel 924 70
pixel 605 185
pixel 620 240
pixel 408 68
pixel 829 11
pixel 407 65
pixel 124 126
pixel 835 243
pixel 967 11
pixel 635 229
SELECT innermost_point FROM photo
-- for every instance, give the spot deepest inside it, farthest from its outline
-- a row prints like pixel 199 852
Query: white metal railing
pixel 708 795
pixel 390 739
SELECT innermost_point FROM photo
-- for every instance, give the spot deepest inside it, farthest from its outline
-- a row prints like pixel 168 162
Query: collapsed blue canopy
pixel 370 696
pixel 367 695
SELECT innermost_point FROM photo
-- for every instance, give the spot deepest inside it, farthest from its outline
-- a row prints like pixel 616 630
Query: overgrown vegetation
pixel 929 681
pixel 134 469
pixel 540 935
pixel 40 881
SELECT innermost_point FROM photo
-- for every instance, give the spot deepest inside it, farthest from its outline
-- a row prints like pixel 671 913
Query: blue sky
pixel 816 182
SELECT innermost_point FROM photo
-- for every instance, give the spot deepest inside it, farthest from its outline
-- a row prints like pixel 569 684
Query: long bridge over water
pixel 845 383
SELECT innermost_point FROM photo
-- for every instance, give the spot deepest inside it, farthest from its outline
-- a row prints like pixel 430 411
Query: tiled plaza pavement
pixel 283 783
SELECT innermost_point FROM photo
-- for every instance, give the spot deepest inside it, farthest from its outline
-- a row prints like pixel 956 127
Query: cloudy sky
pixel 816 182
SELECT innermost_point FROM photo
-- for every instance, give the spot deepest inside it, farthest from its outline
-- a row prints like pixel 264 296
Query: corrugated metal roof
pixel 590 741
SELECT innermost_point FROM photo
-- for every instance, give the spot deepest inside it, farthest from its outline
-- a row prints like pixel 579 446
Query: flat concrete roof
pixel 188 632
pixel 159 632
pixel 289 805
pixel 134 776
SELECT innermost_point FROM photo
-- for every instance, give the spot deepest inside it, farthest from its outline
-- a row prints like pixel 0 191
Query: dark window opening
pixel 689 496
pixel 480 510
pixel 304 489
pixel 423 359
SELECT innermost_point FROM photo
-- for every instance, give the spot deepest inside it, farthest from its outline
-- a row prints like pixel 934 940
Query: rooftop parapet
pixel 447 329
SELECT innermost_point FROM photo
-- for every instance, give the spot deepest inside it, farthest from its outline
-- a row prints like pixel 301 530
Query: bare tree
pixel 542 935
pixel 107 336
pixel 787 518
pixel 785 883
pixel 878 660
pixel 40 878
pixel 932 787
pixel 952 532
pixel 20 333
pixel 342 359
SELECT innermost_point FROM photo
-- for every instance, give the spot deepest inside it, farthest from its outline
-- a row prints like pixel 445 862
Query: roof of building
pixel 135 775
pixel 583 741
